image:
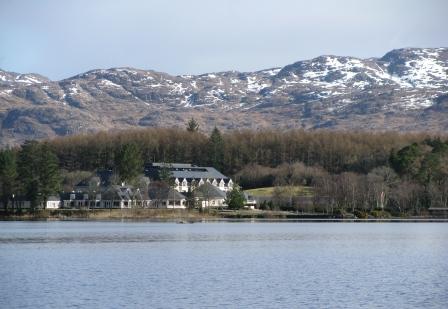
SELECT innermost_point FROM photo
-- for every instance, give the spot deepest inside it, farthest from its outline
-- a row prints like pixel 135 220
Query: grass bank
pixel 154 214
pixel 269 191
pixel 193 215
pixel 108 214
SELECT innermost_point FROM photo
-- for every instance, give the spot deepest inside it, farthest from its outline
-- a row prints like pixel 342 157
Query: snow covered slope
pixel 406 89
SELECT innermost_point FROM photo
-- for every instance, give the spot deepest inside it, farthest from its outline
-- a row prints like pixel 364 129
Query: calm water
pixel 231 265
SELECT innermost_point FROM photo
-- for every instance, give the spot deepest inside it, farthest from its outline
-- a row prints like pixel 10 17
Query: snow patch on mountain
pixel 255 85
pixel 405 79
pixel 108 83
pixel 426 71
pixel 3 77
pixel 178 88
pixel 27 79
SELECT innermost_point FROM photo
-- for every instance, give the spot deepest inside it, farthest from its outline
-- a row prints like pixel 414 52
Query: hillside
pixel 405 90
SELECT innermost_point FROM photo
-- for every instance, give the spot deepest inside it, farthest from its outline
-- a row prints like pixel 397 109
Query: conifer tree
pixel 29 172
pixel 49 173
pixel 129 162
pixel 8 176
pixel 165 175
pixel 235 198
pixel 192 125
pixel 216 149
pixel 38 171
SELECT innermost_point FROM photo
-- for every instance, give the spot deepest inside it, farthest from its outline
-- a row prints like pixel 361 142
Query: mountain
pixel 406 90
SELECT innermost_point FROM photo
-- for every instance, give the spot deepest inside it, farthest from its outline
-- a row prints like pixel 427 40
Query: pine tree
pixel 39 172
pixel 192 125
pixel 49 173
pixel 129 162
pixel 165 175
pixel 216 149
pixel 235 198
pixel 8 176
pixel 29 172
pixel 192 201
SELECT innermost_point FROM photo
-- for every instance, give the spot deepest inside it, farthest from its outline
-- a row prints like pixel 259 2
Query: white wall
pixel 53 204
pixel 213 203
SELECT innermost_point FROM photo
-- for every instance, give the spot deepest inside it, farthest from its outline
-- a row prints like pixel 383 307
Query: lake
pixel 223 264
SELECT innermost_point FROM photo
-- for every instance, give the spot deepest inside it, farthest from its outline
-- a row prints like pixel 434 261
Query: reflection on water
pixel 223 264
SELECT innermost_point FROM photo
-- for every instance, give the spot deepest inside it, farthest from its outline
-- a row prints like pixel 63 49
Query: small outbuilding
pixel 53 202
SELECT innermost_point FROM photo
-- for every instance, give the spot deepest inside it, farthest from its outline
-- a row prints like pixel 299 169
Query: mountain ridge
pixel 404 90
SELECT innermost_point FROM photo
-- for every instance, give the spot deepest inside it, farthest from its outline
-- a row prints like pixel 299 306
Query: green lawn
pixel 297 190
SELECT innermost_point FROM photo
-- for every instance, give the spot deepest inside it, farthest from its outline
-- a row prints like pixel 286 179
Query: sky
pixel 59 39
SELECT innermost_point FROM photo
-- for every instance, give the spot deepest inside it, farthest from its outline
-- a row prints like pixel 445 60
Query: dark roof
pixel 197 173
pixel 54 198
pixel 207 190
pixel 173 165
pixel 164 193
pixel 78 195
pixel 249 196
pixel 104 179
pixel 183 170
pixel 122 193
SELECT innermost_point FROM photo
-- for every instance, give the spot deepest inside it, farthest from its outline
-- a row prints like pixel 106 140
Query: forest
pixel 356 172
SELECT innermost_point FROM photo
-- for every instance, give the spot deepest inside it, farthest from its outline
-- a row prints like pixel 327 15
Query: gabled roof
pixel 54 198
pixel 164 193
pixel 104 179
pixel 184 170
pixel 197 173
pixel 173 165
pixel 207 190
pixel 121 192
pixel 248 196
pixel 78 195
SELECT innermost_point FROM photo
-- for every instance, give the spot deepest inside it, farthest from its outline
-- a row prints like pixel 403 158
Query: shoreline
pixel 194 216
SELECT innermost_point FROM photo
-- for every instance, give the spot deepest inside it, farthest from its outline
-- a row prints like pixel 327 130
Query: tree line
pixel 348 170
pixel 231 151
pixel 31 172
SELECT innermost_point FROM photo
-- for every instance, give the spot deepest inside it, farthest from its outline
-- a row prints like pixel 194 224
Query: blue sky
pixel 59 39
